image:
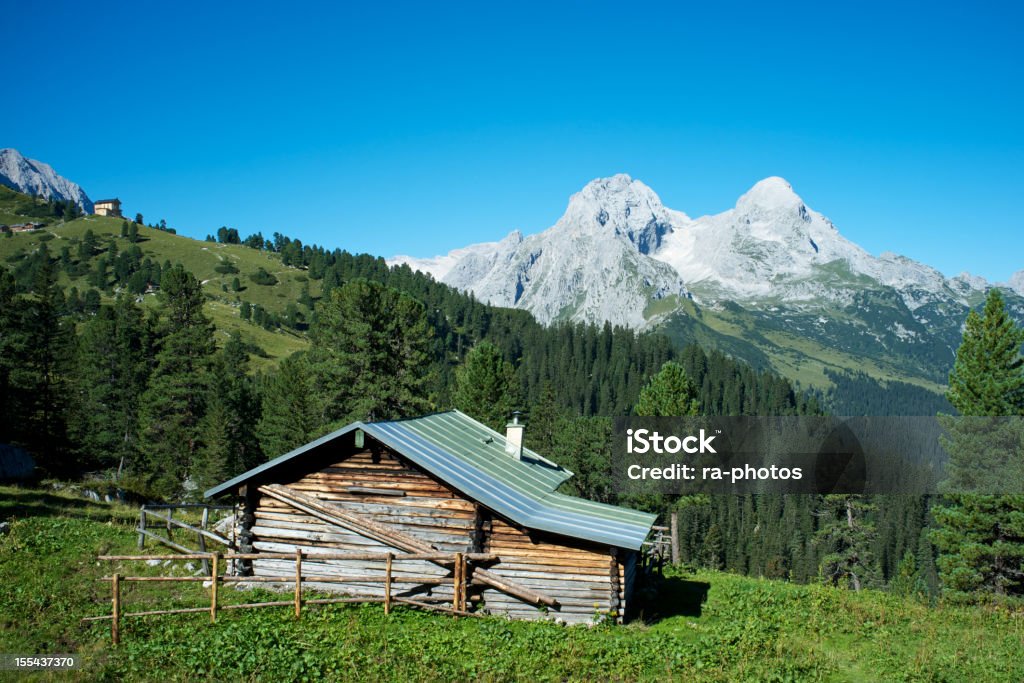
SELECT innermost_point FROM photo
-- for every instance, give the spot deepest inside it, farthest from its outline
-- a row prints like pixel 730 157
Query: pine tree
pixel 289 417
pixel 988 376
pixel 541 434
pixel 669 393
pixel 908 581
pixel 235 392
pixel 485 386
pixel 111 371
pixel 174 402
pixel 583 446
pixel 13 348
pixel 370 355
pixel 980 537
pixel 846 537
pixel 712 550
pixel 47 363
pixel 215 460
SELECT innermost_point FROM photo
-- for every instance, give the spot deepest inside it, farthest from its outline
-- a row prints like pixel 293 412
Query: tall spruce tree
pixel 544 422
pixel 48 356
pixel 235 391
pixel 111 370
pixel 175 401
pixel 216 458
pixel 669 393
pixel 12 349
pixel 980 537
pixel 584 447
pixel 485 386
pixel 846 536
pixel 290 416
pixel 370 355
pixel 988 376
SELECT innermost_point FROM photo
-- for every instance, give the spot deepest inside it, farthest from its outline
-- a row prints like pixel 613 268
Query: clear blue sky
pixel 415 128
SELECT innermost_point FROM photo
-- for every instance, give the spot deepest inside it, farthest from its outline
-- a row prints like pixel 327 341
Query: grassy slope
pixel 200 258
pixel 747 629
pixel 799 358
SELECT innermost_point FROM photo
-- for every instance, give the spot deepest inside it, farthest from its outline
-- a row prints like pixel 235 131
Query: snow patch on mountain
pixel 440 266
pixel 36 178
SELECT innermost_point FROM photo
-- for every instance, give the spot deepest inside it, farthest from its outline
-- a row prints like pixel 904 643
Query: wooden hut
pixel 442 482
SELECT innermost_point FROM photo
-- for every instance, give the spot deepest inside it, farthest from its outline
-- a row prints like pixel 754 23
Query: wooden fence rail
pixel 460 580
pixel 202 532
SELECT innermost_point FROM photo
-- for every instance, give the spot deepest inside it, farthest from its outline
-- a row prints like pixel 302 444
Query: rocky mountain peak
pixel 770 195
pixel 36 178
pixel 621 206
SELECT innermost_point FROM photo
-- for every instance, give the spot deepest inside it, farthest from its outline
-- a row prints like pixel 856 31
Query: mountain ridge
pixel 38 179
pixel 766 246
pixel 771 280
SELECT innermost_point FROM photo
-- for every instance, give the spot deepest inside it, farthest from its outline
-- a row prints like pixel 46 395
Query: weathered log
pixel 167 542
pixel 397 539
pixel 182 525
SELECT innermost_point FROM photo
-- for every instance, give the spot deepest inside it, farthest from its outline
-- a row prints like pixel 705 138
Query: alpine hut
pixel 441 483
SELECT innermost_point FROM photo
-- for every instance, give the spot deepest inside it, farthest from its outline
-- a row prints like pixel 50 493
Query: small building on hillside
pixel 22 227
pixel 107 207
pixel 448 483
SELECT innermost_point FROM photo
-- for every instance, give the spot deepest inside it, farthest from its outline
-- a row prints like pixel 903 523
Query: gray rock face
pixel 619 255
pixel 590 266
pixel 1017 282
pixel 772 248
pixel 36 178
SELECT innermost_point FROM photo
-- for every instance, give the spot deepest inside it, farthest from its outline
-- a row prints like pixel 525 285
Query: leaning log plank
pixel 167 542
pixel 397 539
pixel 182 525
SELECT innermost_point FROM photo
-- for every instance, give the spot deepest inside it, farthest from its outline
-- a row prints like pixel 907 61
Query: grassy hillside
pixel 745 630
pixel 201 258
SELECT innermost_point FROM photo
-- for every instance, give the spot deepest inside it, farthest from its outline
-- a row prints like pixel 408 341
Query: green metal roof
pixel 471 457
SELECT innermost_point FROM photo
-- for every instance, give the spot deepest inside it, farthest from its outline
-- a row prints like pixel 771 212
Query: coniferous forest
pixel 111 369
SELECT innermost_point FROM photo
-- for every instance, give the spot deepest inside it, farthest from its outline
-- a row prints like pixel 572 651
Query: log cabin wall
pixel 575 572
pixel 587 579
pixel 424 508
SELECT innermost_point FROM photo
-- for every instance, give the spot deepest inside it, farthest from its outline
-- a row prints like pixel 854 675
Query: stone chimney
pixel 514 436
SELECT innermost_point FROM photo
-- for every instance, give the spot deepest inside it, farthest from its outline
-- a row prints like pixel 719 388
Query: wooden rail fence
pixel 459 580
pixel 152 512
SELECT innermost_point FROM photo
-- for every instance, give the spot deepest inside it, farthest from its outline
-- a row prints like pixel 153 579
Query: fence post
pixel 465 584
pixel 214 557
pixel 298 582
pixel 457 583
pixel 142 527
pixel 115 622
pixel 202 539
pixel 170 514
pixel 387 583
pixel 674 531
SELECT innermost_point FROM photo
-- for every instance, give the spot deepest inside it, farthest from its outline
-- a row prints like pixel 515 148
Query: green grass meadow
pixel 711 626
pixel 200 258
